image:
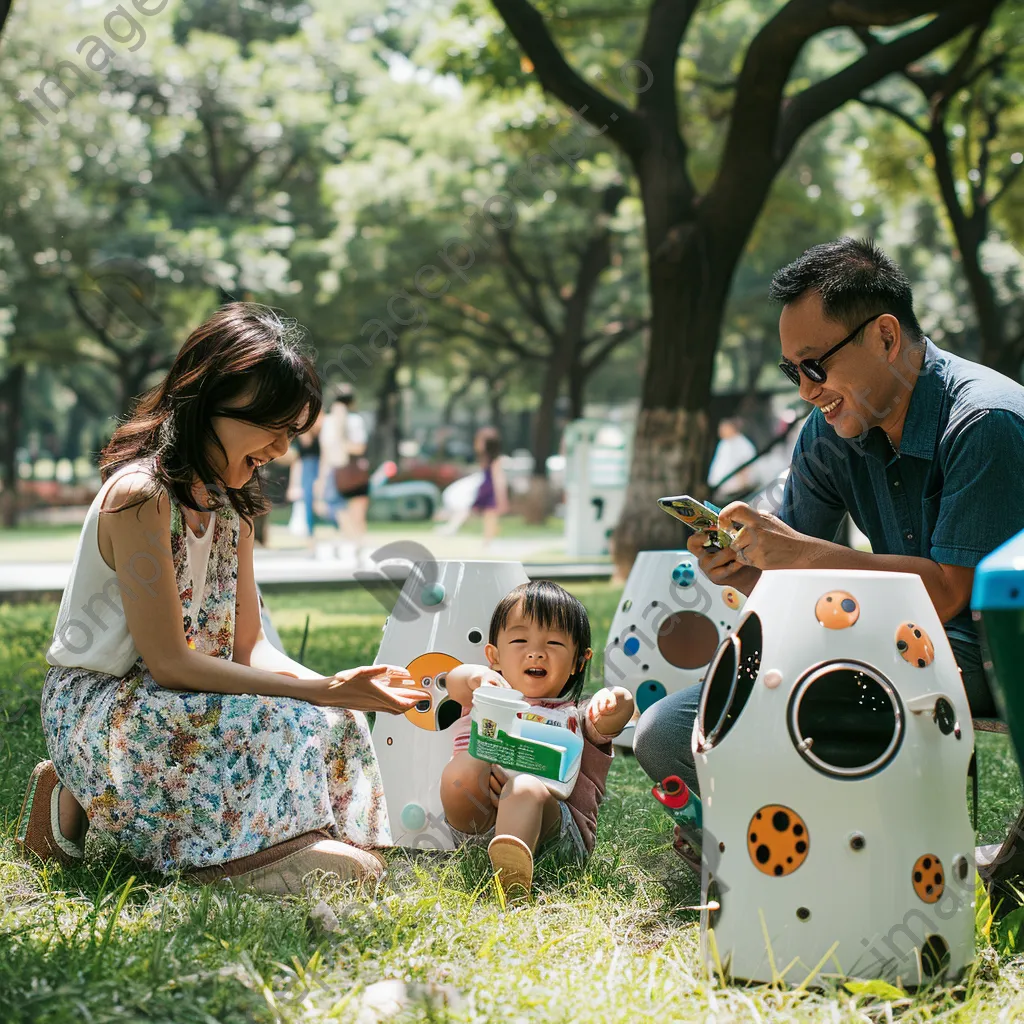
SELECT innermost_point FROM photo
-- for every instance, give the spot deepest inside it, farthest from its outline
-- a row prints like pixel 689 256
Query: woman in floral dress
pixel 171 722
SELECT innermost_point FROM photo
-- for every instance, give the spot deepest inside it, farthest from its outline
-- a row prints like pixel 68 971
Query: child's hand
pixel 464 679
pixel 610 709
pixel 482 676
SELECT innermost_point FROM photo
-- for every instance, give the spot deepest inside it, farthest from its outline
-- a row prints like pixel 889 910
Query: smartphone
pixel 697 516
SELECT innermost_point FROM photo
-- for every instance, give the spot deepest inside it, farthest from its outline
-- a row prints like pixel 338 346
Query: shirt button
pixel 910 536
pixel 895 483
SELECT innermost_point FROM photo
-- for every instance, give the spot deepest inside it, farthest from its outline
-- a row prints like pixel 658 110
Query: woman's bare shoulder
pixel 128 487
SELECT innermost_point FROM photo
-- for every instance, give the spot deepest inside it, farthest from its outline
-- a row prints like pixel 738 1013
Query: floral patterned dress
pixel 184 779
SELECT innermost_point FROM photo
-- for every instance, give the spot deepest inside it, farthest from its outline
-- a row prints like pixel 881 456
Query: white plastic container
pixel 499 736
pixel 832 746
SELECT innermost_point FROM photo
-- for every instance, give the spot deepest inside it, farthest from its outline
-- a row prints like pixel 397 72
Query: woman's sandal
pixel 279 870
pixel 512 861
pixel 38 830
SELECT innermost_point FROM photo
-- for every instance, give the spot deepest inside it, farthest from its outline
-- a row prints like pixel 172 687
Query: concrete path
pixel 390 556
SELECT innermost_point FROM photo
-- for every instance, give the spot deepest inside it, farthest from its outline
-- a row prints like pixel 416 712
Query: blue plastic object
pixel 997 602
pixel 684 574
pixel 631 645
pixel 999 577
pixel 649 692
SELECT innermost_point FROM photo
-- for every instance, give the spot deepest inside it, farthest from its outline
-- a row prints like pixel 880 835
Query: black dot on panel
pixel 917 876
pixel 779 869
pixel 780 819
pixel 798 830
pixel 763 854
pixel 801 847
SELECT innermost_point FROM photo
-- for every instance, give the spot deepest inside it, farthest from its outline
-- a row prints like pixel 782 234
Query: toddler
pixel 539 645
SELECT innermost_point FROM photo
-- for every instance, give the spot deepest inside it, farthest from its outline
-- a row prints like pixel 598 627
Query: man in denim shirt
pixel 925 450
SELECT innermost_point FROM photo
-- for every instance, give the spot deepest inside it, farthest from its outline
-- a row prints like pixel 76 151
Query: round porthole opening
pixel 730 680
pixel 846 719
pixel 719 690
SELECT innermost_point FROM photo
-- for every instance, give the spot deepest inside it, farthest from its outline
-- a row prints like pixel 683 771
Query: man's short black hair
pixel 855 280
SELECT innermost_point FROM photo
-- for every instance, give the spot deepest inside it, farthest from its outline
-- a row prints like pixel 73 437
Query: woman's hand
pixel 367 688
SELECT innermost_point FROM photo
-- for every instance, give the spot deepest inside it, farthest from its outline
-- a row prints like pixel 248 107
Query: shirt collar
pixel 921 427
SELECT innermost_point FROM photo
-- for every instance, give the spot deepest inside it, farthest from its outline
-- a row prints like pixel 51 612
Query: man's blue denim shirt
pixel 954 491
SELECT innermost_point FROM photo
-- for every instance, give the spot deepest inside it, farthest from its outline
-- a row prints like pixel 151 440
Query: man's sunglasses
pixel 812 368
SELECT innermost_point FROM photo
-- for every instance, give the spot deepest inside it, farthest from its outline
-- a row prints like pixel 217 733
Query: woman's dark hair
pixel 491 443
pixel 551 607
pixel 855 280
pixel 243 348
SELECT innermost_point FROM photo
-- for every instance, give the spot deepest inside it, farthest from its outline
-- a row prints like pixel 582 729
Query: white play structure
pixel 668 625
pixel 440 620
pixel 832 749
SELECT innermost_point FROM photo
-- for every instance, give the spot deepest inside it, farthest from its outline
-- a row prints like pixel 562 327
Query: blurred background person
pixel 345 471
pixel 733 450
pixel 307 446
pixel 491 499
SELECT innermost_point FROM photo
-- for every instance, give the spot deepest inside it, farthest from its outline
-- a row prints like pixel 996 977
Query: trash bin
pixel 596 474
pixel 997 604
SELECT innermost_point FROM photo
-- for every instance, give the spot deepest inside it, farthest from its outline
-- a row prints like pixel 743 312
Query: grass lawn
pixel 112 942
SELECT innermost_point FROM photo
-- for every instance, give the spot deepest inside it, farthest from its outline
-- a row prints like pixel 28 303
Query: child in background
pixel 539 645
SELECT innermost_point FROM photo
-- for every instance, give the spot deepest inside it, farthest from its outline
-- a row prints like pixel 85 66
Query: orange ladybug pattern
pixel 777 840
pixel 928 878
pixel 915 645
pixel 837 610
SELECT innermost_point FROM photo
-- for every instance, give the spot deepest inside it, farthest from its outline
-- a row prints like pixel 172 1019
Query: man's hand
pixel 610 709
pixel 721 565
pixel 764 541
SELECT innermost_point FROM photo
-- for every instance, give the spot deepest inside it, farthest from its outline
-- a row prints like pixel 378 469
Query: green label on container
pixel 516 753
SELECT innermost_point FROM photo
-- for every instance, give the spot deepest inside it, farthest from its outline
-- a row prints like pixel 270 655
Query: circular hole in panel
pixel 448 713
pixel 846 719
pixel 803 913
pixel 719 690
pixel 687 639
pixel 934 956
pixel 724 706
pixel 474 636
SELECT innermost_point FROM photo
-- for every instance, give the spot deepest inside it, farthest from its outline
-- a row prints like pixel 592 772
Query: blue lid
pixel 999 577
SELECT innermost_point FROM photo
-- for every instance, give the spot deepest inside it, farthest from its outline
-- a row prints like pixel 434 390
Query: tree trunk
pixel 11 399
pixel 538 502
pixel 386 432
pixel 494 395
pixel 692 260
pixel 577 380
